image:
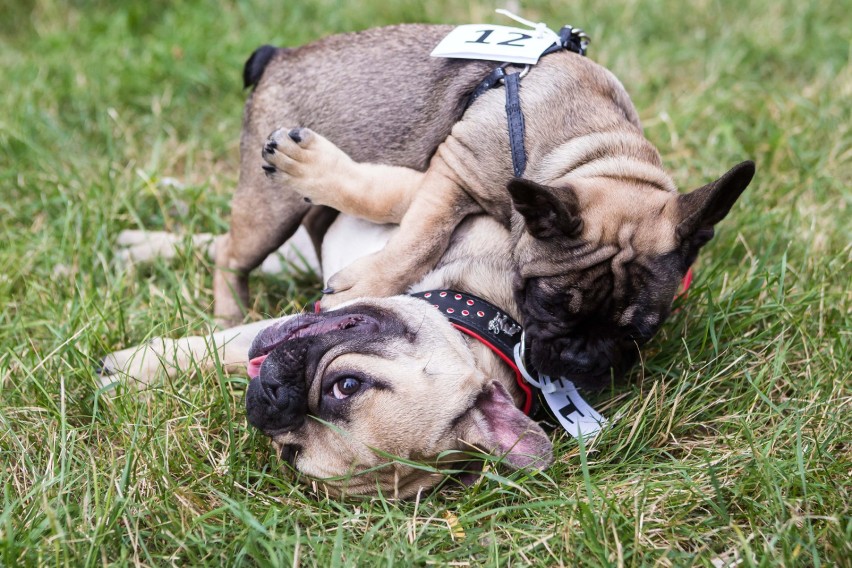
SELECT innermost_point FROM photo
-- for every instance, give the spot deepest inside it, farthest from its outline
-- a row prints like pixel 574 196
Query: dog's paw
pixel 137 366
pixel 366 277
pixel 306 162
pixel 144 246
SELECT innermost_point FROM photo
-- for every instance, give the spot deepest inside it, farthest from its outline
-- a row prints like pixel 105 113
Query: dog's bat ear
pixel 547 211
pixel 499 427
pixel 702 208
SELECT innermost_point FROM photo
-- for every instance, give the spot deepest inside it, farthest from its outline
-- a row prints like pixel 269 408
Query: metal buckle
pixel 519 352
pixel 523 74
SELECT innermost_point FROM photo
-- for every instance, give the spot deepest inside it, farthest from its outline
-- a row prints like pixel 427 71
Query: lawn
pixel 732 443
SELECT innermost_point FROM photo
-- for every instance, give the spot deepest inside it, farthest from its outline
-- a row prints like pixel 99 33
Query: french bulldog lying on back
pixel 586 251
pixel 340 390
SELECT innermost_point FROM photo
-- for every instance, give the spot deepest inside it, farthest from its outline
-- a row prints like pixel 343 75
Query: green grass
pixel 733 442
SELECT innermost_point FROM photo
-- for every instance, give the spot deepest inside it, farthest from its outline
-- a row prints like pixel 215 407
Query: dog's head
pixel 599 266
pixel 343 392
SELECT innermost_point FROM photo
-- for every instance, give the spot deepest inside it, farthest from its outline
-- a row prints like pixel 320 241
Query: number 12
pixel 509 42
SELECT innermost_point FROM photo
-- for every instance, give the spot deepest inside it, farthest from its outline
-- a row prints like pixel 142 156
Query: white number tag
pixel 565 403
pixel 496 43
pixel 573 413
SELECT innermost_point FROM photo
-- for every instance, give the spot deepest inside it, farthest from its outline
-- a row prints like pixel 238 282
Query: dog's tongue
pixel 275 335
pixel 254 366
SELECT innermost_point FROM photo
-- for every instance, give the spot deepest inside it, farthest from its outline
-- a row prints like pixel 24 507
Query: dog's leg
pixel 139 365
pixel 428 206
pixel 324 174
pixel 135 246
pixel 424 234
pixel 263 216
pixel 140 247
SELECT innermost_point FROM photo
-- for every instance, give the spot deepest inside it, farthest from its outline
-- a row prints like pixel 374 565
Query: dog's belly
pixel 349 239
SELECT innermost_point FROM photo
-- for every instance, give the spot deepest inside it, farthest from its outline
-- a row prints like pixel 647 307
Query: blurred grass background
pixel 731 444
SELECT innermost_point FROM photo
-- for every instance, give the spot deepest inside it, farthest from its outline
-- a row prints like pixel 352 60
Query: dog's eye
pixel 346 387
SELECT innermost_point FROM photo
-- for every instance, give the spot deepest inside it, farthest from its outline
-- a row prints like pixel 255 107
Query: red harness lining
pixel 522 384
pixel 685 284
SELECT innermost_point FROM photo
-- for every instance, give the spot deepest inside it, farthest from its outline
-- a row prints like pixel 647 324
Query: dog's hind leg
pixel 263 216
pixel 142 247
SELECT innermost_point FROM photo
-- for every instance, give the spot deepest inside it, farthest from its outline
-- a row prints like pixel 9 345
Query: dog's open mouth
pixel 308 325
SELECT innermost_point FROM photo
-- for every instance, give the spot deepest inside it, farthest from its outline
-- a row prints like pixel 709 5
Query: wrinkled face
pixel 341 392
pixel 598 267
pixel 587 314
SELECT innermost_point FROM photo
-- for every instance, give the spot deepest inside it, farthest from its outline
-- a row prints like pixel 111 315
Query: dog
pixel 600 236
pixel 343 391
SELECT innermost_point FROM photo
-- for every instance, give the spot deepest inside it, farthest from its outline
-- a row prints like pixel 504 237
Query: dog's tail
pixel 256 64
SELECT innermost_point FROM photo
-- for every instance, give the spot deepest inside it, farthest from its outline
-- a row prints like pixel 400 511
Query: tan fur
pixel 584 145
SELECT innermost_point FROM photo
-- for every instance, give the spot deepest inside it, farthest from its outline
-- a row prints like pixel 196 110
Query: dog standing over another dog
pixel 587 251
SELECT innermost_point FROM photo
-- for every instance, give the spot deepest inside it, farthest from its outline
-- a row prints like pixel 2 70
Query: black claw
pixel 308 200
pixel 269 170
pixel 295 135
pixel 102 371
pixel 270 147
pixel 328 290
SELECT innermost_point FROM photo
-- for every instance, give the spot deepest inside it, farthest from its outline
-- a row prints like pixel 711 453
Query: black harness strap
pixel 516 124
pixel 571 39
pixel 490 81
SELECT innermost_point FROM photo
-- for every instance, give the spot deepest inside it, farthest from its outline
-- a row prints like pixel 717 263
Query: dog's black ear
pixel 256 64
pixel 547 211
pixel 496 425
pixel 706 206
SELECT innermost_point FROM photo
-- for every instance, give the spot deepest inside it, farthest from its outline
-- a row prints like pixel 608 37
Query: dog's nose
pixel 275 406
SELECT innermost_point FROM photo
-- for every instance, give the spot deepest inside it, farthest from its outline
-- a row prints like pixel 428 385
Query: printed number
pixel 510 42
pixel 483 37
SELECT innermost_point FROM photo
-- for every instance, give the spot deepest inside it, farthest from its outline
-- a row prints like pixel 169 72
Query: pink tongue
pixel 254 366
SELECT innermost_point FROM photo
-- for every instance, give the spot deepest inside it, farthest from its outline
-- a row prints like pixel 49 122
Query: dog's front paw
pixel 364 278
pixel 307 163
pixel 139 365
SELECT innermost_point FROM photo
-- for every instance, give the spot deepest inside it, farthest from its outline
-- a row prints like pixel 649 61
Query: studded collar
pixel 486 323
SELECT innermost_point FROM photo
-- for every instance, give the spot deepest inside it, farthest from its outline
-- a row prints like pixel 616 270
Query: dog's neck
pixel 478 261
pixel 623 155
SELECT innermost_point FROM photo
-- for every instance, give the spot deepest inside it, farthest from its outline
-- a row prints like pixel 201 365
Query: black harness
pixel 571 39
